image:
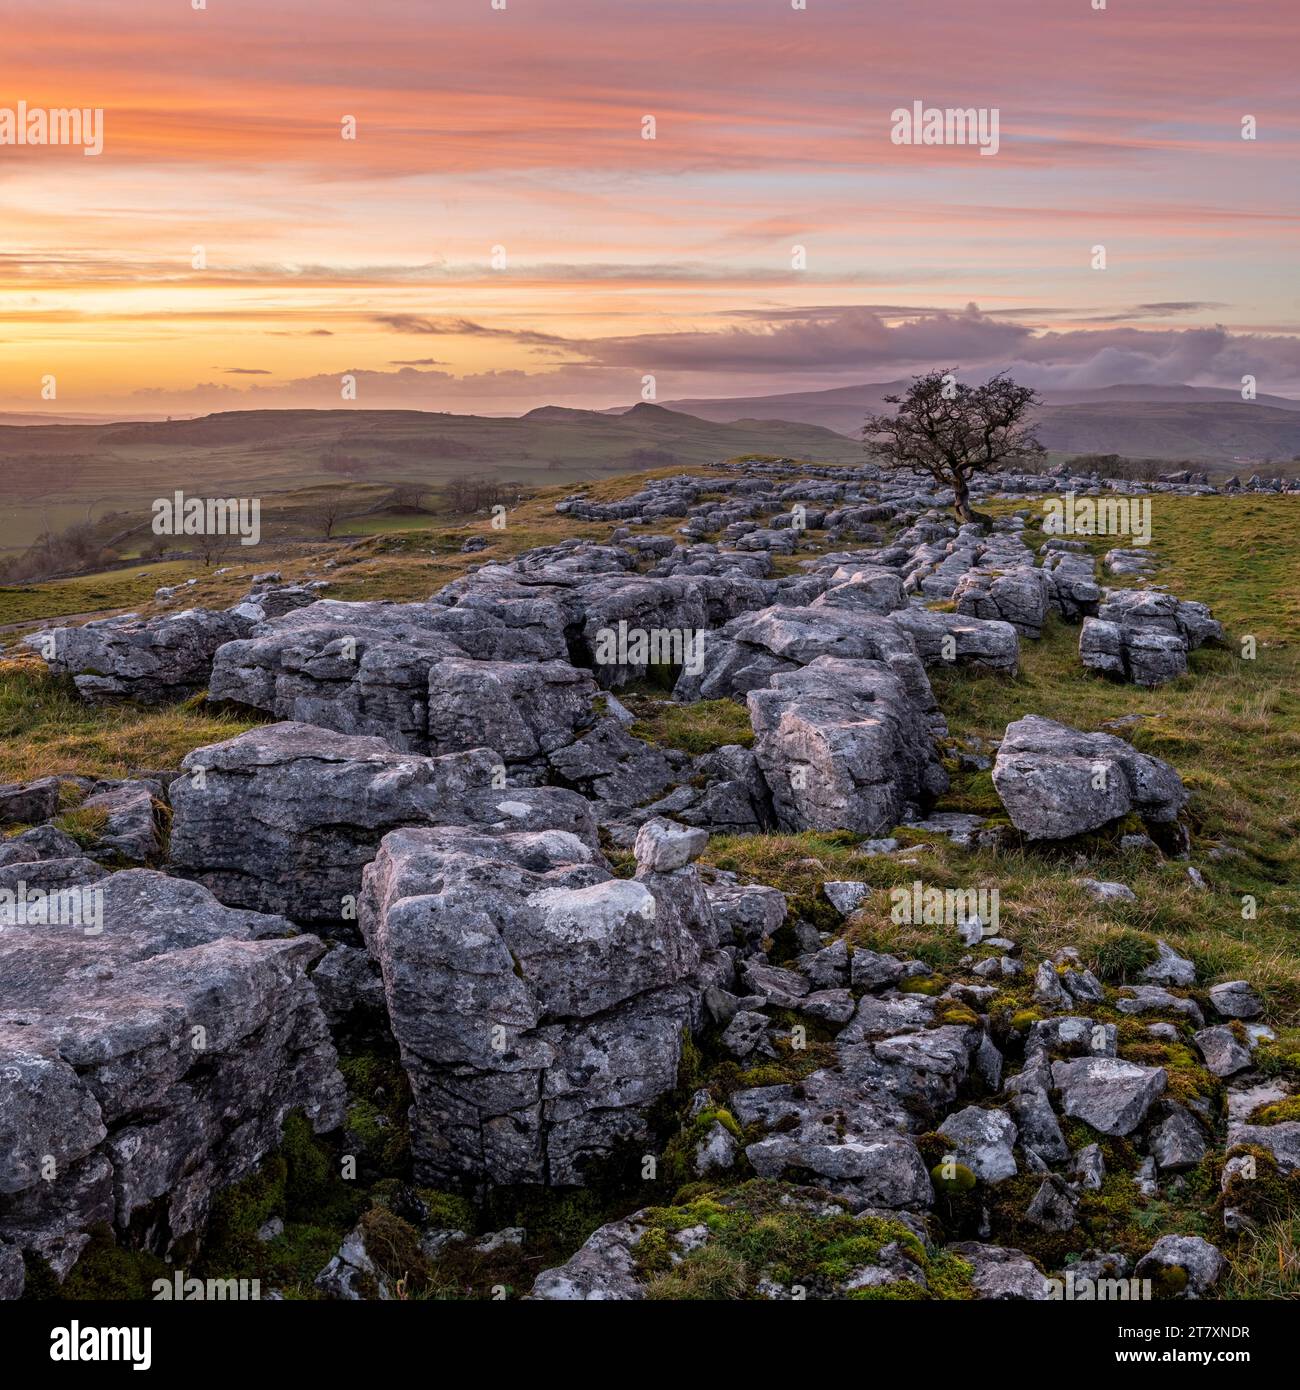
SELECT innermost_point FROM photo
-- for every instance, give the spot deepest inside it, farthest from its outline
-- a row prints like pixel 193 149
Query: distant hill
pixel 1205 424
pixel 54 475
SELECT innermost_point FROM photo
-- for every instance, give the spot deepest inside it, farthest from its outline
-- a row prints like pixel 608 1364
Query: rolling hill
pixel 54 475
pixel 1204 424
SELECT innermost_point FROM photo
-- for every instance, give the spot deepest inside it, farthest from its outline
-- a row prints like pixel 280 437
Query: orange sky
pixel 522 128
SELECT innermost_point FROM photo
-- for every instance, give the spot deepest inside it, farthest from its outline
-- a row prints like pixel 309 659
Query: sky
pixel 501 235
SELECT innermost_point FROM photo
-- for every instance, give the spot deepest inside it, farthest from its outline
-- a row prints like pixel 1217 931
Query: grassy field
pixel 1231 728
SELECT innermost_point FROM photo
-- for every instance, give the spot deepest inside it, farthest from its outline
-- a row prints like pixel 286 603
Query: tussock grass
pixel 45 728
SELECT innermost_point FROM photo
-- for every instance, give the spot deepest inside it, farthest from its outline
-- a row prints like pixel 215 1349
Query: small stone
pixel 1199 1263
pixel 1236 999
pixel 1089 1167
pixel 1053 1206
pixel 1223 1054
pixel 744 1033
pixel 1108 892
pixel 846 895
pixel 1169 968
pixel 716 1151
pixel 500 1240
pixel 1178 1141
pixel 982 1141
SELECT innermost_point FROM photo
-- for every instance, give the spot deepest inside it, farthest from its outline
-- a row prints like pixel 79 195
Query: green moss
pixel 1189 1079
pixel 923 984
pixel 651 1254
pixel 952 1011
pixel 1266 1197
pixel 448 1211
pixel 766 1231
pixel 1169 1281
pixel 104 1270
pixel 1278 1113
pixel 379 1099
pixel 952 1178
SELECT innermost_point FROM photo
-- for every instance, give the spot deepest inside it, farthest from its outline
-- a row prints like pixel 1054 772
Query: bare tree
pixel 953 431
pixel 213 546
pixel 326 514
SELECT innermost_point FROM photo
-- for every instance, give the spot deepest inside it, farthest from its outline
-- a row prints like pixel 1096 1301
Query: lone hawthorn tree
pixel 952 431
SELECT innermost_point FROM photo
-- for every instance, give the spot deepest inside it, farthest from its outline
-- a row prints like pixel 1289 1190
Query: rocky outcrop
pixel 950 640
pixel 539 1002
pixel 1020 596
pixel 749 651
pixel 523 710
pixel 151 662
pixel 356 668
pixel 194 1032
pixel 1056 781
pixel 284 818
pixel 1144 636
pixel 842 746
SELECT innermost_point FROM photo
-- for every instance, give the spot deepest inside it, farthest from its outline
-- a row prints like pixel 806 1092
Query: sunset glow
pixel 522 129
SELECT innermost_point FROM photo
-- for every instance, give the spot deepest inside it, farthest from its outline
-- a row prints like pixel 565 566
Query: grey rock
pixel 1053 1206
pixel 1150 999
pixel 13 1275
pixel 846 895
pixel 28 803
pixel 1108 892
pixel 1281 1140
pixel 1223 1054
pixel 1197 1258
pixel 871 970
pixel 744 1032
pixel 196 1030
pixel 1235 999
pixel 1057 782
pixel 130 830
pixel 150 662
pixel 662 846
pixel 1111 1095
pixel 746 913
pixel 716 1152
pixel 982 1141
pixel 539 1002
pixel 1169 968
pixel 1089 1167
pixel 842 747
pixel 1000 1273
pixel 604 1269
pixel 42 842
pixel 284 817
pixel 1178 1142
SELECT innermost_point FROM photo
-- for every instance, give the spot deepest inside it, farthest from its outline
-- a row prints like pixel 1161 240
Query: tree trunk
pixel 961 498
